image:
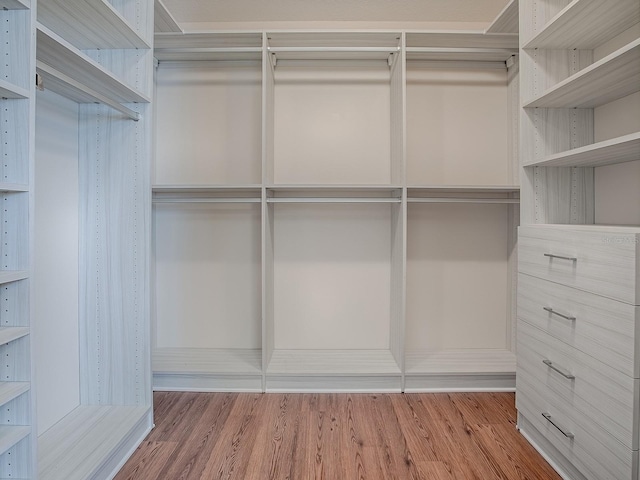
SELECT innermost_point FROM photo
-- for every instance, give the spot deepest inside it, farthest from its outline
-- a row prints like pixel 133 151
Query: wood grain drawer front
pixel 600 395
pixel 604 263
pixel 593 451
pixel 593 324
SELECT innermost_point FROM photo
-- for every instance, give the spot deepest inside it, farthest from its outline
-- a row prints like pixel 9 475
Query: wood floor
pixel 335 437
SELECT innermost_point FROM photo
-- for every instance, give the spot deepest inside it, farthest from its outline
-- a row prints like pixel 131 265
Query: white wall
pixel 55 279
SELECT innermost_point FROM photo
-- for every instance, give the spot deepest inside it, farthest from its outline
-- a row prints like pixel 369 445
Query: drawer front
pixel 597 393
pixel 592 451
pixel 596 325
pixel 600 263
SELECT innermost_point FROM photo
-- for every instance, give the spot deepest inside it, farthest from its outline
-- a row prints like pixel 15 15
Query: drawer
pixel 599 260
pixel 592 451
pixel 580 383
pixel 598 326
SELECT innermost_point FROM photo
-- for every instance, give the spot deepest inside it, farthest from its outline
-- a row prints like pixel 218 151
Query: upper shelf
pixel 9 90
pixel 163 21
pixel 586 24
pixel 615 76
pixel 461 46
pixel 608 152
pixel 89 24
pixel 334 194
pixel 62 57
pixel 13 4
pixel 507 19
pixel 506 194
pixel 208 46
pixel 207 194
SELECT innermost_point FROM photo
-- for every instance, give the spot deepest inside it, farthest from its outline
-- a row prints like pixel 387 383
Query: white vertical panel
pixel 55 280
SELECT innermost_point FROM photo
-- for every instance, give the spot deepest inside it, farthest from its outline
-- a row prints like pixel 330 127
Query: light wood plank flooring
pixel 442 436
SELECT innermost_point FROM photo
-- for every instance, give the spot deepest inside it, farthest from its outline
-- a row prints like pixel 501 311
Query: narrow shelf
pixel 615 76
pixel 207 361
pixel 8 276
pixel 608 152
pixel 333 362
pixel 12 390
pixel 13 5
pixel 506 194
pixel 83 441
pixel 208 46
pixel 507 20
pixel 8 90
pixel 9 436
pixel 9 334
pixel 163 21
pixel 461 46
pixel 586 24
pixel 207 193
pixel 466 54
pixel 334 194
pixel 90 24
pixel 13 187
pixel 57 54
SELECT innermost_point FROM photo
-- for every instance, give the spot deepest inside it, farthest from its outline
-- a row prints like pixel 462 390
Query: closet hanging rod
pixel 463 200
pixel 47 70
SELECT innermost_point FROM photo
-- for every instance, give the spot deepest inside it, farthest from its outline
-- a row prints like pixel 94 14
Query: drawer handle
pixel 553 312
pixel 562 430
pixel 561 371
pixel 573 259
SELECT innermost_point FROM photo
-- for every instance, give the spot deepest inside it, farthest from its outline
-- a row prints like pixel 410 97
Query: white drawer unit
pixel 577 378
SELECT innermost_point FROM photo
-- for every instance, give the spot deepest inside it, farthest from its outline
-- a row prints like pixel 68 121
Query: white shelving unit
pixel 579 77
pixel 305 179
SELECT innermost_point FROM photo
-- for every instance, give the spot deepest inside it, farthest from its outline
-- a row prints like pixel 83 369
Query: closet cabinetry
pixel 76 388
pixel 296 182
pixel 579 294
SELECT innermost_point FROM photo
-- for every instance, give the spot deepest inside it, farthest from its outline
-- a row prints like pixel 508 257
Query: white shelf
pixel 608 152
pixel 9 436
pixel 207 194
pixel 8 90
pixel 333 362
pixel 334 194
pixel 506 194
pixel 13 5
pixel 8 276
pixel 13 187
pixel 90 24
pixel 507 20
pixel 61 56
pixel 163 21
pixel 77 446
pixel 9 334
pixel 186 361
pixel 586 24
pixel 12 390
pixel 461 46
pixel 208 46
pixel 615 76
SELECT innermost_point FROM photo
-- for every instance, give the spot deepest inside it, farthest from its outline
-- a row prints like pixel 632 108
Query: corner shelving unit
pixel 579 77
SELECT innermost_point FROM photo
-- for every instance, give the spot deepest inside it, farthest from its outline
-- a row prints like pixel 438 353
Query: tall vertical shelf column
pixel 95 62
pixel 580 81
pixel 17 48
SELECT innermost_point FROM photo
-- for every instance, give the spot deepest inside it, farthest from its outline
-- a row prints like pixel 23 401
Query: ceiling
pixel 388 11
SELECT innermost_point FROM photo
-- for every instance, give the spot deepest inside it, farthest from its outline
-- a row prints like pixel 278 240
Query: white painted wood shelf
pixel 470 46
pixel 163 21
pixel 8 90
pixel 14 4
pixel 10 436
pixel 614 76
pixel 207 193
pixel 333 194
pixel 507 20
pixel 8 276
pixel 90 24
pixel 586 24
pixel 507 194
pixel 82 443
pixel 617 150
pixel 10 334
pixel 13 187
pixel 212 46
pixel 61 56
pixel 11 390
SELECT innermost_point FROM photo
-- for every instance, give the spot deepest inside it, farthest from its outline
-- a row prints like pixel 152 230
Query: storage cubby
pixel 334 310
pixel 334 99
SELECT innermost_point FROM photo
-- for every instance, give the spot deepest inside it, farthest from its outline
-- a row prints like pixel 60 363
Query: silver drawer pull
pixel 553 312
pixel 561 371
pixel 562 430
pixel 572 259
